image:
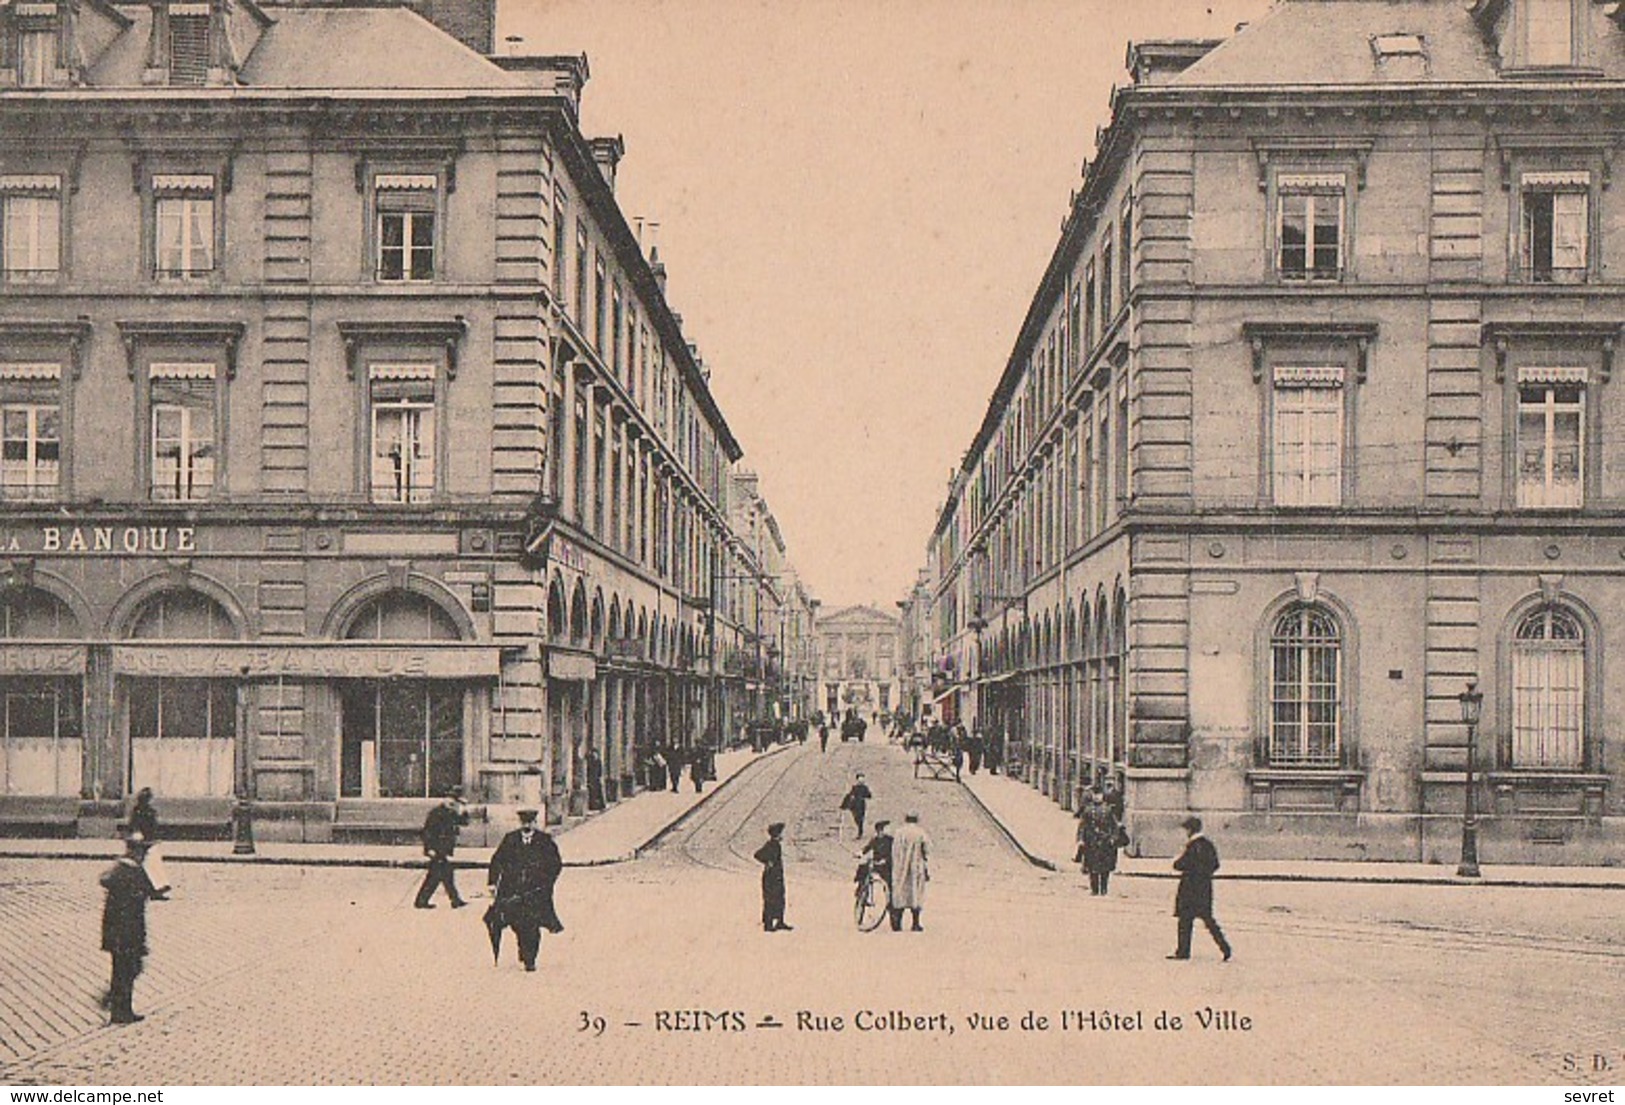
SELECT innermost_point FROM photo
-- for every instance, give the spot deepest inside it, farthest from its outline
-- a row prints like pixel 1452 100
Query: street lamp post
pixel 1472 701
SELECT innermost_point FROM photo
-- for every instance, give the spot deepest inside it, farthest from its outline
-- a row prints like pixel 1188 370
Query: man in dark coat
pixel 523 870
pixel 675 758
pixel 595 780
pixel 856 802
pixel 771 857
pixel 439 842
pixel 1194 899
pixel 124 926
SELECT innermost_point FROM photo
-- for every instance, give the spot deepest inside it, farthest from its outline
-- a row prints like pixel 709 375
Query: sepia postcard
pixel 727 542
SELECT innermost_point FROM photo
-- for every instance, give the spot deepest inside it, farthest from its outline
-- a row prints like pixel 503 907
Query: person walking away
pixel 143 819
pixel 1194 899
pixel 523 870
pixel 910 854
pixel 973 749
pixel 124 926
pixel 595 780
pixel 823 735
pixel 879 853
pixel 675 758
pixel 439 842
pixel 856 802
pixel 771 857
pixel 1097 842
pixel 696 770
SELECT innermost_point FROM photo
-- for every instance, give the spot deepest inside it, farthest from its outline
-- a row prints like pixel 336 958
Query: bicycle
pixel 871 900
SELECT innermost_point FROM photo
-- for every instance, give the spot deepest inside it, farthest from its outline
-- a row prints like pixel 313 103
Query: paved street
pixel 317 975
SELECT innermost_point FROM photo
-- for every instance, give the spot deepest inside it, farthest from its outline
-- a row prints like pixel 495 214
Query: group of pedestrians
pixel 663 763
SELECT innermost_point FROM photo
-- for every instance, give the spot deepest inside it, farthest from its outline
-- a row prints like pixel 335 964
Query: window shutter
pixel 1569 230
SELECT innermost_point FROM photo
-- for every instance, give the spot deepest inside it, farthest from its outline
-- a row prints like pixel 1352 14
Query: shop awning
pixel 946 694
pixel 297 660
pixel 42 659
pixel 1002 677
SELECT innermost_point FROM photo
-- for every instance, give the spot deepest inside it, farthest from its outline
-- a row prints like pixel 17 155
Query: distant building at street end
pixel 1310 424
pixel 858 662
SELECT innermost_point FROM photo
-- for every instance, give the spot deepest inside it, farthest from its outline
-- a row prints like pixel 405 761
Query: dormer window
pixel 1398 46
pixel 189 44
pixel 36 57
pixel 1550 32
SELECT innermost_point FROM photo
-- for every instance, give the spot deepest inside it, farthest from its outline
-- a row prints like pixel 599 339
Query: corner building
pixel 1312 422
pixel 351 450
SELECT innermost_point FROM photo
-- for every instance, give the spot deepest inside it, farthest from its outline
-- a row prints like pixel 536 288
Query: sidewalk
pixel 1047 835
pixel 616 835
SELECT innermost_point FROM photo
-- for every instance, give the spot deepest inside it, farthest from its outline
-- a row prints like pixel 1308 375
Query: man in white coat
pixel 911 849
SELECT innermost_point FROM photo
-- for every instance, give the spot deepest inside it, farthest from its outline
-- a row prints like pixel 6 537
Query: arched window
pixel 1548 690
pixel 1306 670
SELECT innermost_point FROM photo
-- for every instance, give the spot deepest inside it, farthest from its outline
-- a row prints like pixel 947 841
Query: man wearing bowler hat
pixel 1194 899
pixel 523 870
pixel 439 841
pixel 124 926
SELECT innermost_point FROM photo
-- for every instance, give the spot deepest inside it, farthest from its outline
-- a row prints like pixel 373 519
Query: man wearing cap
pixel 771 857
pixel 439 841
pixel 523 870
pixel 124 926
pixel 1196 865
pixel 910 855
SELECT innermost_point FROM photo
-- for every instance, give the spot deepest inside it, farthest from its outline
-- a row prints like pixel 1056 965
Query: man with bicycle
pixel 877 854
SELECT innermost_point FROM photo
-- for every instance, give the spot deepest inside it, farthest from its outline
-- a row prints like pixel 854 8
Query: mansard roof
pixel 1334 42
pixel 338 48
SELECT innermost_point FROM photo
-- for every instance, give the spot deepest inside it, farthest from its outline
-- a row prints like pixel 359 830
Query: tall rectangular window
pixel 600 305
pixel 582 277
pixel 617 321
pixel 184 226
pixel 1108 281
pixel 36 57
pixel 1125 252
pixel 401 397
pixel 1309 226
pixel 184 449
pixel 1090 301
pixel 1306 446
pixel 30 228
pixel 30 431
pixel 583 442
pixel 1556 235
pixel 560 238
pixel 1551 437
pixel 406 205
pixel 1551 32
pixel 188 46
pixel 599 519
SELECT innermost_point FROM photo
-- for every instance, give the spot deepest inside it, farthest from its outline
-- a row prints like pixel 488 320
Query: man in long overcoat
pixel 439 842
pixel 910 856
pixel 124 926
pixel 523 870
pixel 1097 842
pixel 1194 899
pixel 771 857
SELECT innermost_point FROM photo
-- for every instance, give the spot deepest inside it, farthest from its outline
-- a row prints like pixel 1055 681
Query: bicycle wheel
pixel 871 903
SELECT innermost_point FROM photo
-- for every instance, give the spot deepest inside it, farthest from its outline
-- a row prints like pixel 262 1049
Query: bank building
pixel 351 450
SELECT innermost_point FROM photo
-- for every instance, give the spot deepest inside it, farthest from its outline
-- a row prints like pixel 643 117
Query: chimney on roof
pixel 1158 61
pixel 471 22
pixel 607 153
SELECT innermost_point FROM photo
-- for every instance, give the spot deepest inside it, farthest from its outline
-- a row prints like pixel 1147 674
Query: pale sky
pixel 856 201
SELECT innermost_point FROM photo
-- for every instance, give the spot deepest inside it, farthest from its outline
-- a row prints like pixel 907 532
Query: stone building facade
pixel 858 662
pixel 1310 425
pixel 352 452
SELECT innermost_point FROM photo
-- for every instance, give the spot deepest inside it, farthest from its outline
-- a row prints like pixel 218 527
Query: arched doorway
pixel 183 729
pixel 402 738
pixel 41 697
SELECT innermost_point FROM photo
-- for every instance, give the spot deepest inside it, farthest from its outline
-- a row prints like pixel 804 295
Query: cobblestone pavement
pixel 277 975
